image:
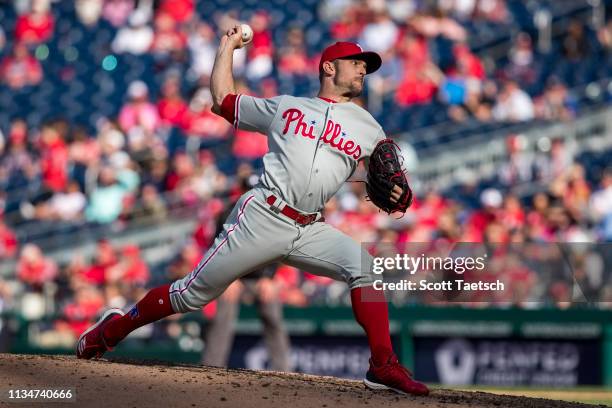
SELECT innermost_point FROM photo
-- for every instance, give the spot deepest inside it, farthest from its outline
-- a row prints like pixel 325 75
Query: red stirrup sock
pixel 154 306
pixel 371 312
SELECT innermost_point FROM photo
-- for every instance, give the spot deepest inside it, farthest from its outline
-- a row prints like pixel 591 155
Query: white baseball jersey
pixel 314 146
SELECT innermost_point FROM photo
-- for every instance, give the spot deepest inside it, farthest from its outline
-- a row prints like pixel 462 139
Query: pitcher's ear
pixel 329 67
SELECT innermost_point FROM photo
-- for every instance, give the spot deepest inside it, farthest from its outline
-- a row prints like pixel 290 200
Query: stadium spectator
pixel 208 181
pixel 521 67
pixel 106 199
pixel 136 150
pixel 292 57
pixel 249 146
pixel 152 206
pixel 202 44
pixel 555 103
pixel 513 104
pixel 199 122
pixel 88 11
pixel 261 50
pixel 437 24
pixel 135 38
pixel 181 11
pixel 168 38
pixel 84 153
pixel 604 35
pixel 600 208
pixel 34 268
pixel 110 138
pixel 37 25
pixel 2 39
pixel 130 271
pixel 138 113
pixel 348 26
pixel 81 311
pixel 18 165
pixel 380 34
pixel 462 83
pixel 171 106
pixel 125 170
pixel 117 12
pixel 69 204
pixel 179 179
pixel 8 241
pixel 576 45
pixel 20 69
pixel 518 169
pixel 54 157
pixel 476 226
pixel 421 77
pixel 105 258
pixel 495 11
pixel 186 260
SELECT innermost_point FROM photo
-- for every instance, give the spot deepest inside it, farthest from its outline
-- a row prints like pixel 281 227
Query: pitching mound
pixel 110 383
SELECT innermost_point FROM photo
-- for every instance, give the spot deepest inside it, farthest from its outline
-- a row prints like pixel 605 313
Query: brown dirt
pixel 123 383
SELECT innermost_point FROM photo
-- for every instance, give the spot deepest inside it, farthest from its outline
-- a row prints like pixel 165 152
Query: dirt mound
pixel 123 383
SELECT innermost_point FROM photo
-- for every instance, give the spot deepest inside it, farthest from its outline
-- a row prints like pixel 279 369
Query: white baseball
pixel 247 33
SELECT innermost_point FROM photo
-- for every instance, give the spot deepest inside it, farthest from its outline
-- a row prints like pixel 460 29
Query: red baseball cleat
pixel 393 376
pixel 91 344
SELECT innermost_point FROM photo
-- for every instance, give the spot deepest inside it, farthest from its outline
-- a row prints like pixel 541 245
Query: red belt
pixel 300 218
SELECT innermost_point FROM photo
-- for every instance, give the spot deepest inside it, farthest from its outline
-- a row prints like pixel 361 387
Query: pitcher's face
pixel 350 76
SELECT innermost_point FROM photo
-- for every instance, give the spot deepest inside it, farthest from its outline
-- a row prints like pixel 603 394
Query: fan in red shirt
pixel 8 241
pixel 421 76
pixel 54 160
pixel 205 232
pixel 347 27
pixel 34 268
pixel 36 26
pixel 106 258
pixel 491 200
pixel 172 107
pixel 20 69
pixel 261 51
pixel 181 11
pixel 292 58
pixel 167 38
pixel 131 270
pixel 79 314
pixel 199 121
pixel 473 66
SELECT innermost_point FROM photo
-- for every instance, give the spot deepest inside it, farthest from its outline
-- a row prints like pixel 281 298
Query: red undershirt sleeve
pixel 228 108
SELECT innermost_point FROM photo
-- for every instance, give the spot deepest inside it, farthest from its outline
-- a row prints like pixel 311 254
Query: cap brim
pixel 372 59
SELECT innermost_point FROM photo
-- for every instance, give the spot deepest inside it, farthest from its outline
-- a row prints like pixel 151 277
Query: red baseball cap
pixel 351 50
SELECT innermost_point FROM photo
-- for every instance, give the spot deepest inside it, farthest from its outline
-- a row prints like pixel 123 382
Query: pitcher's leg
pixel 329 252
pixel 154 306
pixel 326 251
pixel 253 238
pixel 250 239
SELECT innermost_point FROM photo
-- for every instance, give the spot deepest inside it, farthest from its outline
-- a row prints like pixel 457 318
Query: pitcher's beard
pixel 352 89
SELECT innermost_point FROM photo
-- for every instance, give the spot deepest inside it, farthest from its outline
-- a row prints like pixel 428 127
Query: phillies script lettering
pixel 331 136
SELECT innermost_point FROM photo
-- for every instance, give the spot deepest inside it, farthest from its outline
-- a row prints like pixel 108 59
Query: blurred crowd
pixel 424 45
pixel 161 151
pixel 564 208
